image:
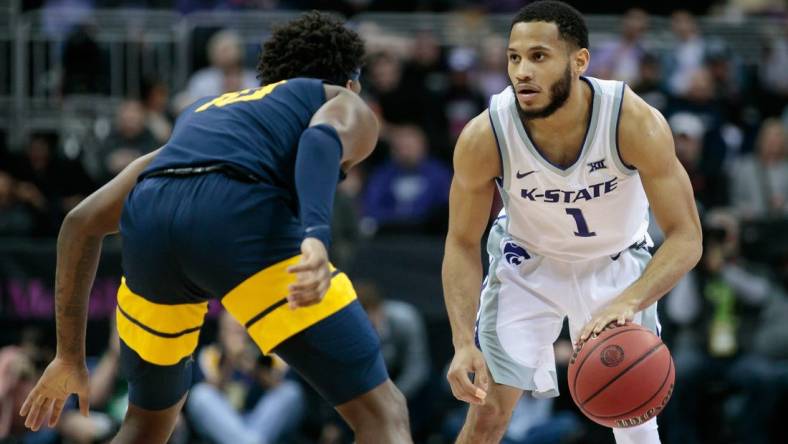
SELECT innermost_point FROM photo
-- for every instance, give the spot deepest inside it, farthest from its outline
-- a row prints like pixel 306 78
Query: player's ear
pixel 353 85
pixel 581 58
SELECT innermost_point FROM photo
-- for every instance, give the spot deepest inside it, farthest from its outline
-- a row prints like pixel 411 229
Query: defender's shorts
pixel 189 239
pixel 526 296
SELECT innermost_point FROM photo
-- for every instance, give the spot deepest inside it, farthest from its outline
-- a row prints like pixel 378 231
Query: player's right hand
pixel 59 381
pixel 468 359
pixel 313 276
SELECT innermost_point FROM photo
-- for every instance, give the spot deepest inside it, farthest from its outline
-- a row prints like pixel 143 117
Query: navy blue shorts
pixel 187 240
pixel 339 356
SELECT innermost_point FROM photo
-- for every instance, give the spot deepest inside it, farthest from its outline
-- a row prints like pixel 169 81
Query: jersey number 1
pixel 582 226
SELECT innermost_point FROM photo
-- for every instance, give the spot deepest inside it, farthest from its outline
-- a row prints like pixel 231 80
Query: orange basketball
pixel 623 377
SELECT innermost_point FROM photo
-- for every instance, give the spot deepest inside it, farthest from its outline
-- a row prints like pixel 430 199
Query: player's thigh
pixel 519 318
pixel 338 356
pixel 604 279
pixel 331 344
pixel 156 346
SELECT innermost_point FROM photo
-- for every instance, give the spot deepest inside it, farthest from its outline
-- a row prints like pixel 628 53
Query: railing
pixel 162 44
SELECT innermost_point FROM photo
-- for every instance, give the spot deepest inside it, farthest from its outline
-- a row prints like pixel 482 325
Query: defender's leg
pixel 378 416
pixel 340 357
pixel 142 426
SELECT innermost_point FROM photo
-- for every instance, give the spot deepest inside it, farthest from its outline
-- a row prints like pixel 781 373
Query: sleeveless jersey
pixel 595 207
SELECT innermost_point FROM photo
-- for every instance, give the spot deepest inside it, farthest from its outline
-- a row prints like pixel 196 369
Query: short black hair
pixel 313 45
pixel 570 22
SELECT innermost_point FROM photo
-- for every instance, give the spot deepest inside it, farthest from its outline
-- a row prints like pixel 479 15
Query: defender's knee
pixel 398 411
pixel 384 411
pixel 391 412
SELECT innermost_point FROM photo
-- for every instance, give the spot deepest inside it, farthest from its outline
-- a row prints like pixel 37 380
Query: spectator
pixel 491 76
pixel 700 99
pixel 222 407
pixel 83 63
pixel 426 74
pixel 726 73
pixel 463 101
pixel 426 68
pixel 155 99
pixel 17 378
pixel 620 59
pixel 716 310
pixel 344 225
pixel 760 180
pixel 687 56
pixel 16 219
pixel 761 376
pixel 226 73
pixel 772 73
pixel 688 134
pixel 48 183
pixel 59 17
pixel 400 104
pixel 129 139
pixel 721 139
pixel 650 85
pixel 410 191
pixel 403 339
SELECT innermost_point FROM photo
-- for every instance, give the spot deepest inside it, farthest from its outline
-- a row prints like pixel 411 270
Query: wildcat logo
pixel 514 254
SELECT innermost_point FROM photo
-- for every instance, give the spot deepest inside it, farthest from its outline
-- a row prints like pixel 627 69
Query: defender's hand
pixel 468 359
pixel 313 277
pixel 620 311
pixel 59 381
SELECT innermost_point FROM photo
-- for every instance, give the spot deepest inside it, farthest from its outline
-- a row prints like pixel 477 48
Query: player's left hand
pixel 313 276
pixel 620 311
pixel 60 379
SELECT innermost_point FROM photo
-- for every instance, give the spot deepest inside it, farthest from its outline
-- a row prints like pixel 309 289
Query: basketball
pixel 623 377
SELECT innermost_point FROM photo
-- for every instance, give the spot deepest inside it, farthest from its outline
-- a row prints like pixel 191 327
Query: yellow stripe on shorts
pixel 161 334
pixel 259 303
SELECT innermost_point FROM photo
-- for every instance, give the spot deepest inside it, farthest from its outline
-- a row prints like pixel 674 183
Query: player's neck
pixel 575 112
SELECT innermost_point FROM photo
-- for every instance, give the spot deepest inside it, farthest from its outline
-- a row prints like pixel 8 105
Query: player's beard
pixel 559 93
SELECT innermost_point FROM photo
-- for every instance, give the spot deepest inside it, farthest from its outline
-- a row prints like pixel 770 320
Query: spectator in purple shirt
pixel 411 190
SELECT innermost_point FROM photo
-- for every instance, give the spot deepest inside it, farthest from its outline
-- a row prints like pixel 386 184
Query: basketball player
pixel 577 162
pixel 245 184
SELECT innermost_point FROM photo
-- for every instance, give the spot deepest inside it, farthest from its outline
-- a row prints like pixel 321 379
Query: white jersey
pixel 595 207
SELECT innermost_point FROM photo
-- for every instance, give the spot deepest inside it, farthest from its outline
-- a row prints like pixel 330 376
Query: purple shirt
pixel 396 194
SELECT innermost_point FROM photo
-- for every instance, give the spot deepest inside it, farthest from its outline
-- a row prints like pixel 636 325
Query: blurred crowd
pixel 725 321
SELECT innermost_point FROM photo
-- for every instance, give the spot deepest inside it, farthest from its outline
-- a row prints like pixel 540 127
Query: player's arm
pixel 354 122
pixel 78 251
pixel 342 133
pixel 476 164
pixel 646 143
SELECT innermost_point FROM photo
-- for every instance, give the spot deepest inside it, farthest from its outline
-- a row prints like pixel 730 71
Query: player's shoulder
pixel 477 135
pixel 639 119
pixel 642 131
pixel 477 147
